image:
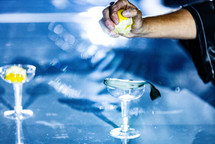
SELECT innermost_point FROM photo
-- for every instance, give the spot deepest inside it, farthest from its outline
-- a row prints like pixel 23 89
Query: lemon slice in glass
pixel 15 74
pixel 124 25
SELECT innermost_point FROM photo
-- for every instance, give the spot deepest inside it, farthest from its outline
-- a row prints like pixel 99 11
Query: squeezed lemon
pixel 15 74
pixel 124 25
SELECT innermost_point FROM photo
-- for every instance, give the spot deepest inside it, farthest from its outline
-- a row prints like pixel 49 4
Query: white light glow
pixel 37 17
pixel 93 31
pixel 88 21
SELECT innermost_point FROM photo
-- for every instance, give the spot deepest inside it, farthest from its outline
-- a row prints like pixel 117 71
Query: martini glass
pixel 18 112
pixel 125 90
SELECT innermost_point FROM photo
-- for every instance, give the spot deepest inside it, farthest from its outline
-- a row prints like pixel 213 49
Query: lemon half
pixel 15 74
pixel 124 25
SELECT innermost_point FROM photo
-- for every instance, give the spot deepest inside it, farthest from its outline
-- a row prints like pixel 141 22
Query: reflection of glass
pixel 125 90
pixel 19 133
pixel 125 141
pixel 18 111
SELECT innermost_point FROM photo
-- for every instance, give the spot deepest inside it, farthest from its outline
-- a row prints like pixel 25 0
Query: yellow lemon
pixel 121 17
pixel 124 25
pixel 15 74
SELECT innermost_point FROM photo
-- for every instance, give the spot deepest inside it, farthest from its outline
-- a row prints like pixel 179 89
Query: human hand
pixel 110 18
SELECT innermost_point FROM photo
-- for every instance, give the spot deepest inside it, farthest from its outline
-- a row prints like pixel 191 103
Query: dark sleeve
pixel 202 49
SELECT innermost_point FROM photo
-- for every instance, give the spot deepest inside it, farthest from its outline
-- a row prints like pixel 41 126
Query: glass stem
pixel 19 133
pixel 18 97
pixel 125 109
pixel 124 141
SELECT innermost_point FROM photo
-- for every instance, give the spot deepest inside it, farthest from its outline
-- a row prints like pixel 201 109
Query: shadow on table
pixel 2 100
pixel 85 105
pixel 171 70
pixel 204 137
pixel 68 66
pixel 35 92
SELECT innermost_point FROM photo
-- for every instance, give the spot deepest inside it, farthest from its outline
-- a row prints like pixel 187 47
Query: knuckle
pixel 139 12
pixel 106 22
pixel 105 11
pixel 112 14
pixel 112 3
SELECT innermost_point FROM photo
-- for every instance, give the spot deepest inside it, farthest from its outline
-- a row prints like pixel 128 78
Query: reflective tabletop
pixel 73 56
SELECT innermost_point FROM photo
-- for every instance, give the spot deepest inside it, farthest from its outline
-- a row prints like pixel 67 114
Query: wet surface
pixel 73 57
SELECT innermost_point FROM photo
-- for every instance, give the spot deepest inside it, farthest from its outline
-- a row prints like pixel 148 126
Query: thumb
pixel 137 20
pixel 130 12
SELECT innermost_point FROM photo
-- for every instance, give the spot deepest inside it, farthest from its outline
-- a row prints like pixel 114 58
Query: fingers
pixel 130 10
pixel 107 20
pixel 107 23
pixel 114 9
pixel 120 4
pixel 110 13
pixel 110 17
pixel 106 30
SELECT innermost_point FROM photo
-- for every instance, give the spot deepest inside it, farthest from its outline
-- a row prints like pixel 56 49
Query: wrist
pixel 143 28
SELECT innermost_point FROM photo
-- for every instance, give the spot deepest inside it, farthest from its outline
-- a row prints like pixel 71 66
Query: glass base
pixel 24 114
pixel 130 134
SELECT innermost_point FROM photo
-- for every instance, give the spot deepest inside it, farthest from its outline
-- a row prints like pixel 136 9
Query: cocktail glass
pixel 18 111
pixel 125 90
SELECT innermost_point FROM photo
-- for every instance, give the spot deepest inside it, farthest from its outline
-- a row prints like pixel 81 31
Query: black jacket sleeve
pixel 202 49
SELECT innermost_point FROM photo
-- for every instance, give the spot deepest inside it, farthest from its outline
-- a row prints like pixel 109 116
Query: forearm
pixel 177 25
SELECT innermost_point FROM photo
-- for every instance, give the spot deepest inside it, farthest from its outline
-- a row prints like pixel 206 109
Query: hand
pixel 110 18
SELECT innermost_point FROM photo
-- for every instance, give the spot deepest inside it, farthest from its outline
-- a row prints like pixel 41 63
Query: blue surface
pixel 73 57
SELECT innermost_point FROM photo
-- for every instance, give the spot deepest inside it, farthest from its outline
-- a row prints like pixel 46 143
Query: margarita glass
pixel 125 90
pixel 17 75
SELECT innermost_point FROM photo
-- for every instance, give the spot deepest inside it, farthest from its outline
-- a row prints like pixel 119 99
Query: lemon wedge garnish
pixel 15 74
pixel 124 25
